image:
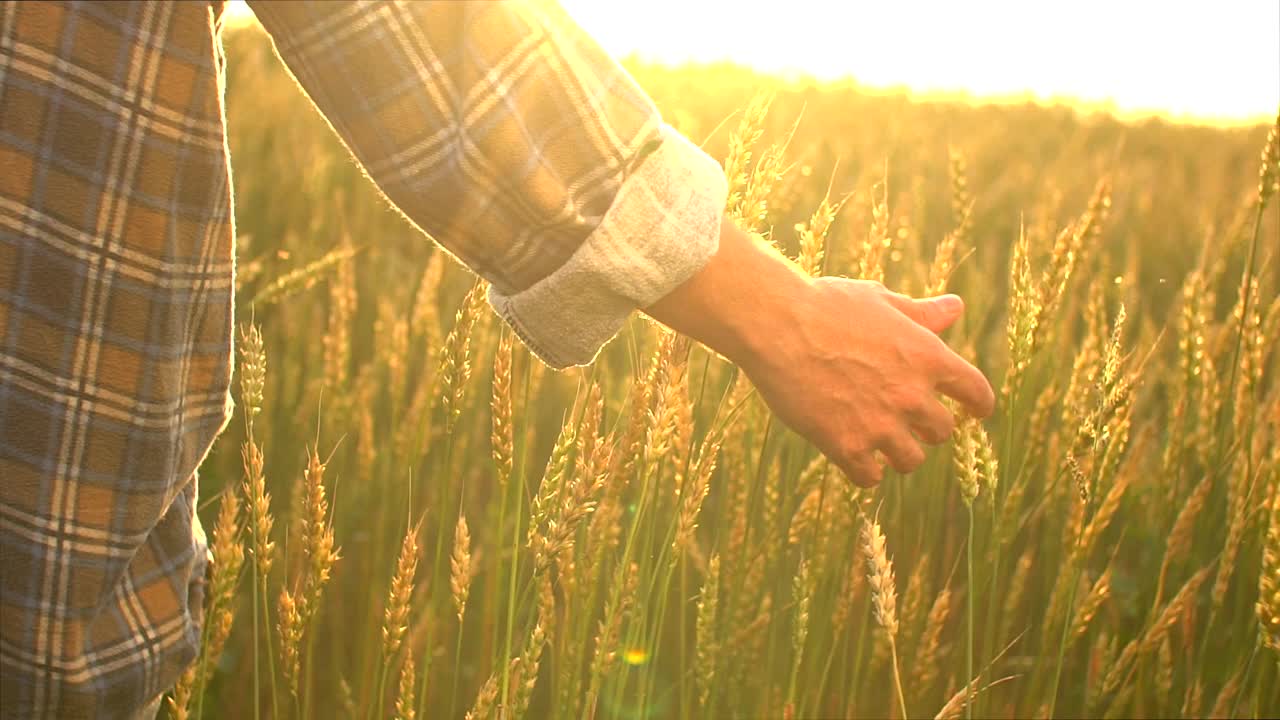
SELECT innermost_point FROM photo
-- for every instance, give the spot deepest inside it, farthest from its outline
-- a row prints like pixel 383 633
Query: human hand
pixel 851 366
pixel 858 369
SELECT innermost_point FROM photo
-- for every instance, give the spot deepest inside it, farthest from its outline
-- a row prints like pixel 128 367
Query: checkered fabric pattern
pixel 499 129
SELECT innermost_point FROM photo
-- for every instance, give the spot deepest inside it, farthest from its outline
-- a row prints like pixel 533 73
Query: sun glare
pixel 1210 62
pixel 1215 63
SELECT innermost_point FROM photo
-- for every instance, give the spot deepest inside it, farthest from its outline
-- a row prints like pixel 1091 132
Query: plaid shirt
pixel 499 129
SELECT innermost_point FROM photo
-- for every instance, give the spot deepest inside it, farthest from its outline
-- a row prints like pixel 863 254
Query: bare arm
pixel 853 367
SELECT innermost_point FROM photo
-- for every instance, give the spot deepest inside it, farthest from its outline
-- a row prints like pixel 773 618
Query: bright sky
pixel 1200 60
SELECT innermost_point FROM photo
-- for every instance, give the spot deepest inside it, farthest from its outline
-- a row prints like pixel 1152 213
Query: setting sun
pixel 1210 62
pixel 1183 60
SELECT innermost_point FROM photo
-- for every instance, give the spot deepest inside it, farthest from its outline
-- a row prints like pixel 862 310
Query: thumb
pixel 936 313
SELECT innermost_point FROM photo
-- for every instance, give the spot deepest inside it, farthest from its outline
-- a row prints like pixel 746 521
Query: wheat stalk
pixel 1180 535
pixel 525 675
pixel 964 697
pixel 1268 605
pixel 425 320
pixel 455 354
pixel 336 341
pixel 741 142
pixel 850 590
pixel 913 599
pixel 1238 512
pixel 1269 167
pixel 879 239
pixel 1063 258
pixel 1017 590
pixel 227 560
pixel 405 707
pixel 298 605
pixel 883 593
pixel 1023 311
pixel 812 234
pixel 622 596
pixel 801 598
pixel 976 465
pixel 752 209
pixel 1227 695
pixel 707 645
pixel 1098 594
pixel 502 438
pixel 961 198
pixel 930 651
pixel 1103 515
pixel 400 593
pixel 691 498
pixel 550 490
pixel 486 699
pixel 302 278
pixel 460 566
pixel 253 372
pixel 290 627
pixel 1158 630
pixel 561 507
pixel 669 400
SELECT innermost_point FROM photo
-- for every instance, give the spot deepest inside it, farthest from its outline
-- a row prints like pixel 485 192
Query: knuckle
pixel 887 432
pixel 872 476
pixel 865 479
pixel 913 402
pixel 873 288
pixel 852 445
pixel 917 455
pixel 925 351
pixel 989 401
pixel 945 428
pixel 909 462
pixel 845 470
pixel 938 428
pixel 847 462
pixel 934 349
pixel 934 435
pixel 829 285
pixel 858 471
pixel 843 455
pixel 880 440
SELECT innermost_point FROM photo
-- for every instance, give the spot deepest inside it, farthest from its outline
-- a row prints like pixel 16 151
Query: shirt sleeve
pixel 508 135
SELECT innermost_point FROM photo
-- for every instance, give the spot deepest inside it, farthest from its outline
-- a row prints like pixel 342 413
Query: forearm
pixel 741 301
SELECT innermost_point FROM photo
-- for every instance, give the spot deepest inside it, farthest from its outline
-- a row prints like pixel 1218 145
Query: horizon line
pixel 965 96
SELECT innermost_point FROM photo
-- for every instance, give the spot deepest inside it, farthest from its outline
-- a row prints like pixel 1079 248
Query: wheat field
pixel 411 517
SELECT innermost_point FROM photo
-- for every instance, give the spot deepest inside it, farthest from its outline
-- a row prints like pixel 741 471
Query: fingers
pixel 904 453
pixel 862 469
pixel 966 383
pixel 935 314
pixel 957 378
pixel 931 422
pixel 901 450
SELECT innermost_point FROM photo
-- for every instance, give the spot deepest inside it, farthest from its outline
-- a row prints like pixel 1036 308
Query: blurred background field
pixel 1126 485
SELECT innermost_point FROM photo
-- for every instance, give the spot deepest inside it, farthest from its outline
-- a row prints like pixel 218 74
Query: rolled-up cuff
pixel 663 226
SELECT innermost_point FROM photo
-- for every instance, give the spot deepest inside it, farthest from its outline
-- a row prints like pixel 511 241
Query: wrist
pixel 743 304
